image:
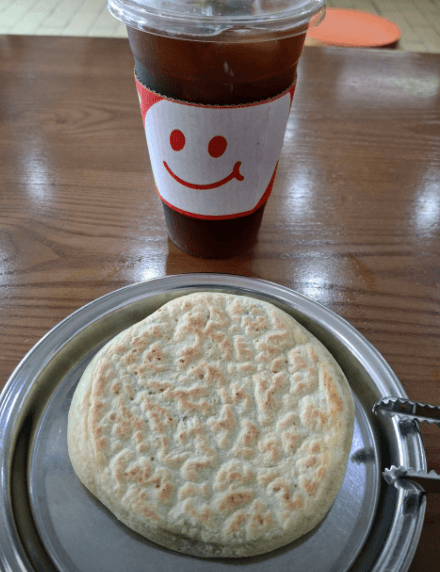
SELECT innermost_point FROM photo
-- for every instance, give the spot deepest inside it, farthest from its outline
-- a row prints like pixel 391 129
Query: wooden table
pixel 353 221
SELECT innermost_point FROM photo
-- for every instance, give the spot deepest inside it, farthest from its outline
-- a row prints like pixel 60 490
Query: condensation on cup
pixel 215 80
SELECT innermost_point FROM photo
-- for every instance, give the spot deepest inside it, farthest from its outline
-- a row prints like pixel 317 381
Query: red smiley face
pixel 216 148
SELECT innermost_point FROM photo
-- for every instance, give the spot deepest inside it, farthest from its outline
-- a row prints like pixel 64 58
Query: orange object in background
pixel 353 28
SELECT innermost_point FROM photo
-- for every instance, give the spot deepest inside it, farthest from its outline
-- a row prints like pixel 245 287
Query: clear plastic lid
pixel 232 20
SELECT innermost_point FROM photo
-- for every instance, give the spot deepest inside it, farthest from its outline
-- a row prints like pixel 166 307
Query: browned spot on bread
pixel 290 420
pixel 269 350
pixel 193 470
pixel 290 441
pixel 234 524
pixel 271 448
pixel 166 492
pixel 130 358
pixel 222 340
pixel 278 364
pixel 242 350
pixel 255 327
pixel 262 358
pixel 217 319
pixel 138 423
pixel 333 397
pixel 210 374
pixel 305 383
pixel 315 447
pixel 312 353
pixel 224 396
pixel 196 391
pixel 188 353
pixel 103 376
pixel 158 387
pixel 101 444
pixel 233 500
pixel 140 340
pixel 129 391
pixel 236 309
pixel 281 486
pixel 192 323
pixel 309 486
pixel 148 512
pixel 156 419
pixel 313 418
pixel 261 520
pixel 269 393
pixel 246 367
pixel 139 436
pixel 226 423
pixel 280 339
pixel 122 429
pixel 204 515
pixel 250 433
pixel 139 473
pixel 119 464
pixel 187 405
pixel 233 474
pixel 296 503
pixel 240 395
pixel 116 387
pixel 296 358
pixel 174 461
pixel 189 490
pixel 244 452
pixel 308 462
pixel 261 384
pixel 267 477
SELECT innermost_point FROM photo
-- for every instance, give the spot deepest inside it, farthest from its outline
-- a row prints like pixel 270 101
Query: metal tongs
pixel 411 412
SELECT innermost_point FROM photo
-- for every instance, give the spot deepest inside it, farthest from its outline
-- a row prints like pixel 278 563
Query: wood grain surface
pixel 353 221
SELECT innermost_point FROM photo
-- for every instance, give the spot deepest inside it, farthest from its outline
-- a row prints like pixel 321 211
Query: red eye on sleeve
pixel 217 146
pixel 177 140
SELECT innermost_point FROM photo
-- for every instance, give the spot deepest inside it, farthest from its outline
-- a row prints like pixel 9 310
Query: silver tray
pixel 50 522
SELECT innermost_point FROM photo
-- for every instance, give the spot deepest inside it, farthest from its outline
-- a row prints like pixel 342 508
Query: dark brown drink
pixel 200 72
pixel 222 74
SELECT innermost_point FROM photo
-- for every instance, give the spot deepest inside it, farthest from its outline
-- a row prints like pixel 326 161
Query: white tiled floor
pixel 59 17
pixel 418 20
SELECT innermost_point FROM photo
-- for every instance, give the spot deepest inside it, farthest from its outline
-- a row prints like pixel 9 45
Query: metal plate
pixel 53 523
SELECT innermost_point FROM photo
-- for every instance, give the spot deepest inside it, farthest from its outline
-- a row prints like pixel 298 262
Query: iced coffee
pixel 215 81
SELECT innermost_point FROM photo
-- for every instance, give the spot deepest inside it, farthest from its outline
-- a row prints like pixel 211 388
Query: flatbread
pixel 217 427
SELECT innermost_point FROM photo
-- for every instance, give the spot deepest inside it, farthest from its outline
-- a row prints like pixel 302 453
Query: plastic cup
pixel 215 80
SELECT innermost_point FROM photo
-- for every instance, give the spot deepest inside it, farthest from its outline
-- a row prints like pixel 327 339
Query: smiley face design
pixel 216 148
pixel 215 161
